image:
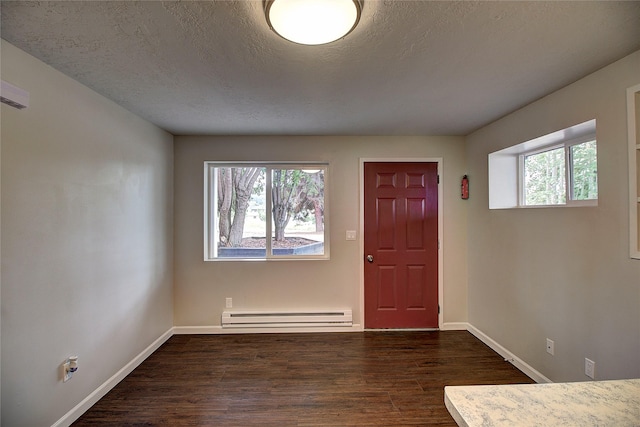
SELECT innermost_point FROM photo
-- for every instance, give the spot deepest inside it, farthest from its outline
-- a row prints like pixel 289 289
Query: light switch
pixel 351 234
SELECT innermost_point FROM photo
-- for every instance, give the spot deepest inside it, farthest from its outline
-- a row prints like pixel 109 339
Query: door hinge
pixel 438 179
pixel 438 308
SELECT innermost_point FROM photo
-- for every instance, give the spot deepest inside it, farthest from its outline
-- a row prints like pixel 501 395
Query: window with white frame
pixel 257 211
pixel 559 169
pixel 560 175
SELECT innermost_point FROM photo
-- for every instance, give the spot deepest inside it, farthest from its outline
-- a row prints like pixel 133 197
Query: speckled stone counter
pixel 593 403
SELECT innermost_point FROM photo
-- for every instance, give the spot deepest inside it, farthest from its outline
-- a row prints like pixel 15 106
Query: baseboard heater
pixel 286 319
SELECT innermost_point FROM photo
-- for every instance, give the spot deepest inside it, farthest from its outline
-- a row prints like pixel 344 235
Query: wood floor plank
pixel 390 378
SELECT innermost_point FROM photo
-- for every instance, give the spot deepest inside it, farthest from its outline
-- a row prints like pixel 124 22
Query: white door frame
pixel 437 160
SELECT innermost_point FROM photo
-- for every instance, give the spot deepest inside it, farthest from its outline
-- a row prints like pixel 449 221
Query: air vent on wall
pixel 13 96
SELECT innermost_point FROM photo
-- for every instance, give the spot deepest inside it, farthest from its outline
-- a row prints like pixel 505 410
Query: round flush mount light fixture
pixel 312 22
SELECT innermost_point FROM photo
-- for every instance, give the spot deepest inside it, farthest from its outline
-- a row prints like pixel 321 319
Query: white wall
pixel 561 273
pixel 86 240
pixel 200 287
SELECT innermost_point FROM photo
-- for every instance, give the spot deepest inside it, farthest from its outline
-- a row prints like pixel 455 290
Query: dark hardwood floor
pixel 358 379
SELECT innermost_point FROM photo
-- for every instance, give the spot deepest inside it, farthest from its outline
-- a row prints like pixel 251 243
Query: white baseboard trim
pixel 101 391
pixel 219 330
pixel 516 361
pixel 454 326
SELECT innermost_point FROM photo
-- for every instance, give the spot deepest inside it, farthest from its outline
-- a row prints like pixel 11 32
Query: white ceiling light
pixel 313 22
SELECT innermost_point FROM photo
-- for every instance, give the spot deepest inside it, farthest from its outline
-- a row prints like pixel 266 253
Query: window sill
pixel 573 204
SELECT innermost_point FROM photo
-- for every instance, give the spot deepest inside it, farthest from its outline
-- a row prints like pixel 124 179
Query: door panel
pixel 401 233
pixel 387 288
pixel 415 284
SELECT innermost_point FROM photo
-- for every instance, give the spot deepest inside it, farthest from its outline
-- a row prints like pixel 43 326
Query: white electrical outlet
pixel 69 367
pixel 550 347
pixel 229 303
pixel 351 235
pixel 590 368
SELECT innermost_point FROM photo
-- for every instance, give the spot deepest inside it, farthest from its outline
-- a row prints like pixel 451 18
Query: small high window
pixel 559 169
pixel 545 174
pixel 265 211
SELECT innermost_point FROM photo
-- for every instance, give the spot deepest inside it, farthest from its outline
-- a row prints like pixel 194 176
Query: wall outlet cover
pixel 589 368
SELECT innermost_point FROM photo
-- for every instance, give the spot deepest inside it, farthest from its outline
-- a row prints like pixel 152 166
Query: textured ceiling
pixel 409 68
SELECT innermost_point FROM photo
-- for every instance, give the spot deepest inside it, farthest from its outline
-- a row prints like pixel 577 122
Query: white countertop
pixel 581 404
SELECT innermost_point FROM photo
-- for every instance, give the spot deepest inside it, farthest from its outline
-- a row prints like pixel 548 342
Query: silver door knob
pixel 370 258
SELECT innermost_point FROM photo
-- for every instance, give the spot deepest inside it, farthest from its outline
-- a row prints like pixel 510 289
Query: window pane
pixel 298 212
pixel 241 212
pixel 246 202
pixel 584 167
pixel 544 178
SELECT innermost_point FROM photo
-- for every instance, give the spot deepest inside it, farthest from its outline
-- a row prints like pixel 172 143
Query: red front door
pixel 401 245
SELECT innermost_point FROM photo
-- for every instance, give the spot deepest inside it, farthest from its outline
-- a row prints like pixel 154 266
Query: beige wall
pixel 561 273
pixel 200 287
pixel 86 240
